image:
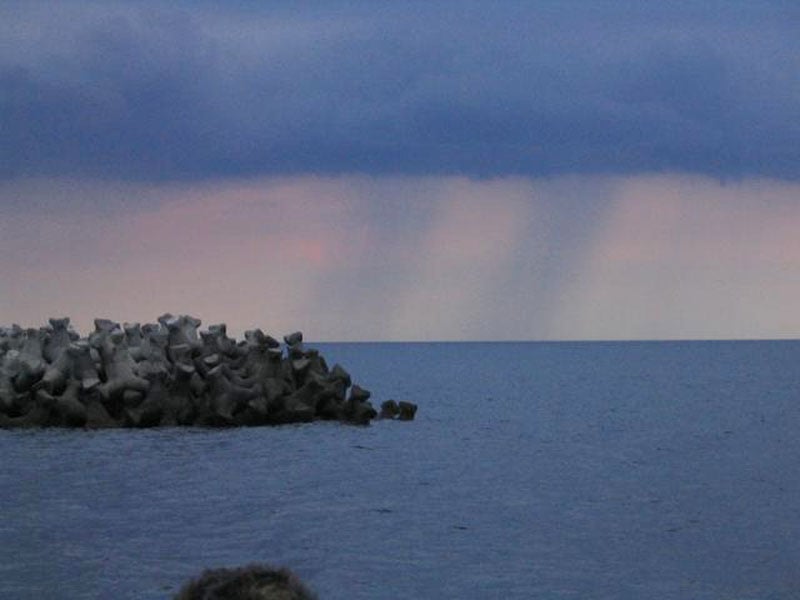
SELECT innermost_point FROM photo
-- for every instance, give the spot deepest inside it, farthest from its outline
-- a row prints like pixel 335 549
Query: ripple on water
pixel 595 470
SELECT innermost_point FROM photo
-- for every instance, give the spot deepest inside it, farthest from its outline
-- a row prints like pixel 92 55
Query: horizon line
pixel 559 341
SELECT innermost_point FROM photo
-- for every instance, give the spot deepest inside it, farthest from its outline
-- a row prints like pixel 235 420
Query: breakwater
pixel 171 373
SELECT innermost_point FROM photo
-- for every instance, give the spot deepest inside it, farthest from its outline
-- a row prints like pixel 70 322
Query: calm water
pixel 571 470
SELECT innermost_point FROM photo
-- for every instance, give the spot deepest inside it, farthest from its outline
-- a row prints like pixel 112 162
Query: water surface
pixel 533 470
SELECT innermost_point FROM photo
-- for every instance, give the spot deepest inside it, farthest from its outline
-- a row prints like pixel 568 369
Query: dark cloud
pixel 142 91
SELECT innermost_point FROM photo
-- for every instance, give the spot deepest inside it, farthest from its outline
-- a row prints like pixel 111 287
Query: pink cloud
pixel 412 258
pixel 689 257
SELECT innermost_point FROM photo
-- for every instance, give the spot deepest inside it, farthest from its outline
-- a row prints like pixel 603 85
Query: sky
pixel 400 171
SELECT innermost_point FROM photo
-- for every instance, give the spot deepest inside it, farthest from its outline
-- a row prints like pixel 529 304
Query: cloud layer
pixel 143 91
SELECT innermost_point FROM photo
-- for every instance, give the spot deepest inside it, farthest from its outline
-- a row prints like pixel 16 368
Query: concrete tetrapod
pixel 171 374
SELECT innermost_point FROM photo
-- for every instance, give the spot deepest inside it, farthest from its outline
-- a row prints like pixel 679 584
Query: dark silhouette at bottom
pixel 253 582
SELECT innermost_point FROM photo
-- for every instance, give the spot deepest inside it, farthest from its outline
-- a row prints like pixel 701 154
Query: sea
pixel 564 470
